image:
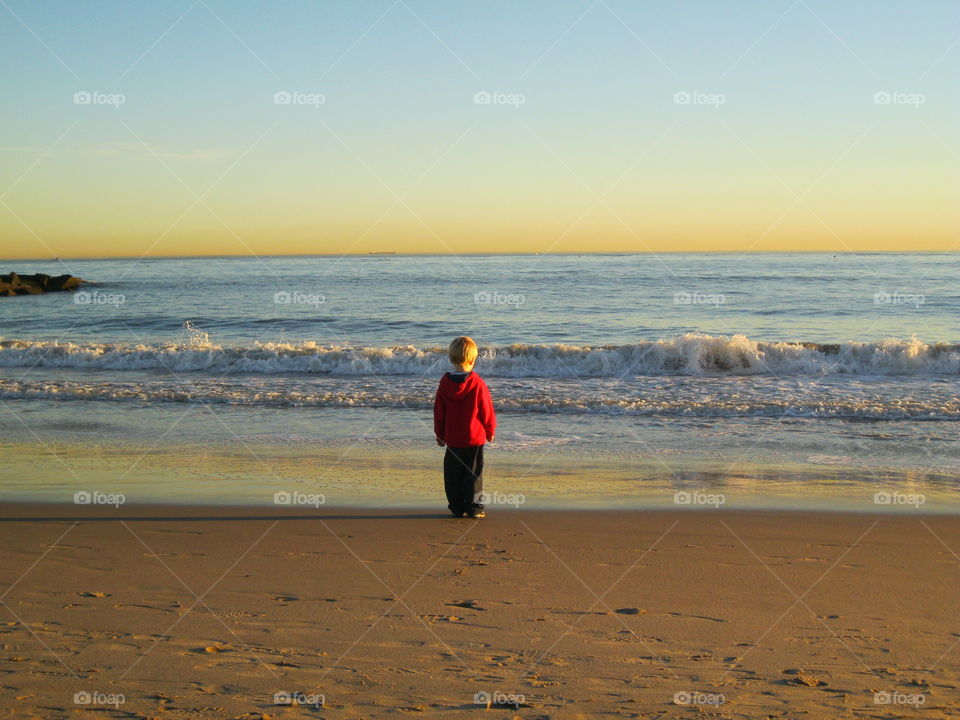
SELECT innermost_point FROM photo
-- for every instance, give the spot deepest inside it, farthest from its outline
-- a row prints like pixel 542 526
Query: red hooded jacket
pixel 463 413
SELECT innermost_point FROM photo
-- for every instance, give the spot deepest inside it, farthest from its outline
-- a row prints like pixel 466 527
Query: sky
pixel 207 127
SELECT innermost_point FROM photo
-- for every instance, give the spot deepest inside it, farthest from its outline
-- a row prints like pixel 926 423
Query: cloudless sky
pixel 785 144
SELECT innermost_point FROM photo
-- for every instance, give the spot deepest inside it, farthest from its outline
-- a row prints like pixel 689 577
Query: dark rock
pixel 14 284
pixel 63 282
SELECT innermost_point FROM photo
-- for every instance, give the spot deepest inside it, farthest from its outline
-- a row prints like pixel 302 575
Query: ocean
pixel 793 380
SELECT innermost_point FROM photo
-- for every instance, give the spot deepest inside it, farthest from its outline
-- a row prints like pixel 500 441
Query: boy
pixel 463 420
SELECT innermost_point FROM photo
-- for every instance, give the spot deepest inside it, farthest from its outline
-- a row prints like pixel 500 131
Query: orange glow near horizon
pixel 605 146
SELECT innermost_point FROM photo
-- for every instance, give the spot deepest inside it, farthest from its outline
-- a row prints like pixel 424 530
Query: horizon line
pixel 475 254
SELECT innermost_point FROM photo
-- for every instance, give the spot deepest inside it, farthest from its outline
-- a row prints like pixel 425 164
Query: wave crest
pixel 690 354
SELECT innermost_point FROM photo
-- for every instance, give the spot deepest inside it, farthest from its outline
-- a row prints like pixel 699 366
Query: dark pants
pixel 463 478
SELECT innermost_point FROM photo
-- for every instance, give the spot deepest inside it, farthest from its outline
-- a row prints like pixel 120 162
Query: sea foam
pixel 690 354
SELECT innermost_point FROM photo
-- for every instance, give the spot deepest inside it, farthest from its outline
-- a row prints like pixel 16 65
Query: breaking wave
pixel 691 354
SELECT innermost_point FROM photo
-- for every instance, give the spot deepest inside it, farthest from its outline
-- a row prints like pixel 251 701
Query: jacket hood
pixel 458 383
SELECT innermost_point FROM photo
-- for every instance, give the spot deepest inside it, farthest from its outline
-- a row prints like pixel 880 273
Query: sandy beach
pixel 292 292
pixel 175 612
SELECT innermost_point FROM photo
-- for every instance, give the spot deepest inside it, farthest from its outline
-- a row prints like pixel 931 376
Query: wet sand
pixel 232 612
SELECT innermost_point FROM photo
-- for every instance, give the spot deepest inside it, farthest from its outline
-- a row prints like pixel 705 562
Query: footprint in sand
pixel 121 606
pixel 468 604
pixel 802 678
pixel 161 698
pixel 213 649
pixel 697 617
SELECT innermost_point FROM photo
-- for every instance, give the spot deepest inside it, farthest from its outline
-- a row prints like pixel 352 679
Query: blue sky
pixel 399 156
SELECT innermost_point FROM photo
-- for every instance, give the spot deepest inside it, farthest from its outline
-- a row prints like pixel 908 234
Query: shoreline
pixel 40 510
pixel 353 476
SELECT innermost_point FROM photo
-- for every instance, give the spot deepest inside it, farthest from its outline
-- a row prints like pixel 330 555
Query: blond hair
pixel 462 351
